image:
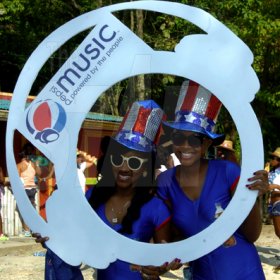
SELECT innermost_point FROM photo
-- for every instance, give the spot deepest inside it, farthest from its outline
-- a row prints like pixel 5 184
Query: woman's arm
pixel 51 172
pixel 162 235
pixel 19 168
pixel 90 160
pixel 37 168
pixel 252 226
pixel 274 187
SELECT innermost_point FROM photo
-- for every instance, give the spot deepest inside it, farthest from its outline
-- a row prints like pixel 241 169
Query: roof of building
pixel 5 101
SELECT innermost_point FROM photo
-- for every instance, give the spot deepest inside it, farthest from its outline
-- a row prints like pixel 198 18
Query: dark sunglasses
pixel 134 163
pixel 194 140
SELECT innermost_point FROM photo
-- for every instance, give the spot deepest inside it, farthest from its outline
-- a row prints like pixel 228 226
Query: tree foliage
pixel 25 23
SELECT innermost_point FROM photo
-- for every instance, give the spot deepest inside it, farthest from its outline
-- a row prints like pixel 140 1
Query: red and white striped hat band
pixel 140 127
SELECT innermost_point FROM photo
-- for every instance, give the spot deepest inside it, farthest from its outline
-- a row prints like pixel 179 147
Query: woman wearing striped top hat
pixel 199 189
pixel 125 196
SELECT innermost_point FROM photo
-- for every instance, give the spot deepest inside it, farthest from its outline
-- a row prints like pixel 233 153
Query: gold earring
pixel 145 173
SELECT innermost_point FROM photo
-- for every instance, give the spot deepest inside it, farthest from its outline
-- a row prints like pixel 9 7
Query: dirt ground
pixel 25 266
pixel 19 263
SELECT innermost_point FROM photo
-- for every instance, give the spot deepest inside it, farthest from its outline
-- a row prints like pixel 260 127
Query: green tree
pixel 25 23
pixel 257 23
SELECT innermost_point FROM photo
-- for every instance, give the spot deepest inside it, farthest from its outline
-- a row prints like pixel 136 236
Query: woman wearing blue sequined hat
pixel 200 189
pixel 124 198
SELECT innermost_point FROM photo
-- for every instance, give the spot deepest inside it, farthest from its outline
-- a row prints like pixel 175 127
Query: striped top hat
pixel 141 125
pixel 197 110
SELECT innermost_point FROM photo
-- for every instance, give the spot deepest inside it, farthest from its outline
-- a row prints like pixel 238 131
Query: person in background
pixel 84 161
pixel 225 151
pixel 165 157
pixel 49 174
pixel 103 149
pixel 3 237
pixel 163 160
pixel 28 170
pixel 199 189
pixel 274 187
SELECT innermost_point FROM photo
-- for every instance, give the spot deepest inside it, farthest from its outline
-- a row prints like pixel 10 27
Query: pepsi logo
pixel 45 120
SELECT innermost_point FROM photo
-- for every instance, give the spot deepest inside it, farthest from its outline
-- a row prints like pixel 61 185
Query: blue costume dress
pixel 154 214
pixel 238 261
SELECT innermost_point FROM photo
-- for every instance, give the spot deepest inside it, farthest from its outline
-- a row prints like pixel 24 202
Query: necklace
pixel 117 214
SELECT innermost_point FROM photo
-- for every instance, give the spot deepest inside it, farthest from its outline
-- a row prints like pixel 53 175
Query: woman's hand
pixel 259 182
pixel 147 272
pixel 174 265
pixel 39 238
pixel 153 272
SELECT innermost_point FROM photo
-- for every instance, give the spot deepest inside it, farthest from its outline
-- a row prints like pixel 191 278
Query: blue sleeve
pixel 56 268
pixel 164 183
pixel 161 215
pixel 88 193
pixel 232 174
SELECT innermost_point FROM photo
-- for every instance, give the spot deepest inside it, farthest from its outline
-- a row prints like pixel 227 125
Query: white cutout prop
pixel 111 52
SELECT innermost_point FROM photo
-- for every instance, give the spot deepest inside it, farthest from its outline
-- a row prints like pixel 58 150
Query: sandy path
pixel 22 265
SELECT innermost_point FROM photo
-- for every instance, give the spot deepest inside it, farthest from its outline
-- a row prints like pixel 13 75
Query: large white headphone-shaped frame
pixel 111 52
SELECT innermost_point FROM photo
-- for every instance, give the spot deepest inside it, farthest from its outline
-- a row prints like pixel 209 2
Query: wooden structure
pixel 11 223
pixel 94 128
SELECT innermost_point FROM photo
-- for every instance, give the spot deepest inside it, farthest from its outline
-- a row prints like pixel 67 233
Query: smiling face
pixel 189 147
pixel 128 168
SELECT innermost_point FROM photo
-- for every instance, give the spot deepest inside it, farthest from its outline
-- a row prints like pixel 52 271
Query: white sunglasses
pixel 134 163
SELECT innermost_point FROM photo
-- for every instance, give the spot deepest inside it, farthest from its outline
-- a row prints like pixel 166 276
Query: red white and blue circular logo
pixel 46 119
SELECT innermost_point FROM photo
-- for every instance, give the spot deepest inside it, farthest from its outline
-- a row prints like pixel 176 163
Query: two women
pixel 194 190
